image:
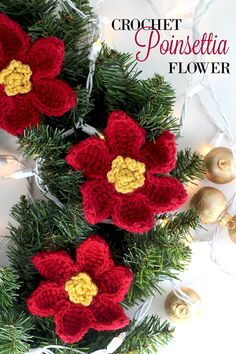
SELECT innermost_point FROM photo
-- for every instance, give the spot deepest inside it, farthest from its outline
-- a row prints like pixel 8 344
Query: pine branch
pixel 181 223
pixel 42 141
pixel 9 284
pixel 189 166
pixel 153 257
pixel 148 337
pixel 41 18
pixel 27 12
pixel 116 79
pixel 14 333
pixel 62 181
pixel 43 226
pixel 155 107
pixel 149 101
pixel 76 33
pixel 56 174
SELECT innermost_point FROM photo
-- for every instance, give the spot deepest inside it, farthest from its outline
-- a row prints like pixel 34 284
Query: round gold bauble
pixel 232 229
pixel 178 311
pixel 219 164
pixel 210 204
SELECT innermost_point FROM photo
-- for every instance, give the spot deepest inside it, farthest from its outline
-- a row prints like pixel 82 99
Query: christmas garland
pixel 66 284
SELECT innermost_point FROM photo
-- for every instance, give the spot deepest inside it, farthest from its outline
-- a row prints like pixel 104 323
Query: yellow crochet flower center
pixel 16 78
pixel 126 174
pixel 81 289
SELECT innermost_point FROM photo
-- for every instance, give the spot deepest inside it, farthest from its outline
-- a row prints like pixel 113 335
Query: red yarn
pixel 74 320
pixel 133 211
pixel 49 96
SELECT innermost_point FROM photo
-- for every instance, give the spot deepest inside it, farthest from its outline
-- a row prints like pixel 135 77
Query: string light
pixel 201 8
pixel 115 343
pixel 191 91
pixel 215 237
pixel 99 2
pixel 24 173
pixel 78 11
pixel 223 128
pixel 111 348
pixel 11 167
pixel 93 55
pixel 98 30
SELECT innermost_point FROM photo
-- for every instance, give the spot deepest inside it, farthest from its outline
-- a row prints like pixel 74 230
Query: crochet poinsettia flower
pixel 83 294
pixel 28 84
pixel 126 175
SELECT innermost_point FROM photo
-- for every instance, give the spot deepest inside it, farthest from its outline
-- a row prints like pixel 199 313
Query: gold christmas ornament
pixel 232 231
pixel 178 311
pixel 219 164
pixel 211 206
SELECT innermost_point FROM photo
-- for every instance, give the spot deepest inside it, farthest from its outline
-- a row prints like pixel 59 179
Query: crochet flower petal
pixel 93 256
pixel 56 266
pixel 4 103
pixel 115 283
pixel 161 156
pixel 45 58
pixel 108 316
pixel 53 97
pixel 91 156
pixel 45 299
pixel 165 194
pixel 14 41
pixel 133 214
pixel 97 200
pixel 124 136
pixel 72 322
pixel 3 57
pixel 17 113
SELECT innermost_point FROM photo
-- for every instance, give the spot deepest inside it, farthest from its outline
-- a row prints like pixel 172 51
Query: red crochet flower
pixel 124 173
pixel 83 294
pixel 28 84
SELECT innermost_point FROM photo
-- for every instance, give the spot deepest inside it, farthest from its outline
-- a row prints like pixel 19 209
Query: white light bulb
pixel 10 167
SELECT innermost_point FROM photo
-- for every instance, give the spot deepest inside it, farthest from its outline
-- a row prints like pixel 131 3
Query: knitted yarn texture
pixel 28 83
pixel 81 294
pixel 127 176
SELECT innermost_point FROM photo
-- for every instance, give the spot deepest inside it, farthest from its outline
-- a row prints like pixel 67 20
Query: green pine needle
pixel 154 256
pixel 14 333
pixel 189 167
pixel 148 337
pixel 9 286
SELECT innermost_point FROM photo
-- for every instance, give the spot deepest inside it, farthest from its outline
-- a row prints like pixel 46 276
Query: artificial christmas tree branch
pixel 139 139
pixel 14 332
pixel 159 254
pixel 189 166
pixel 150 335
